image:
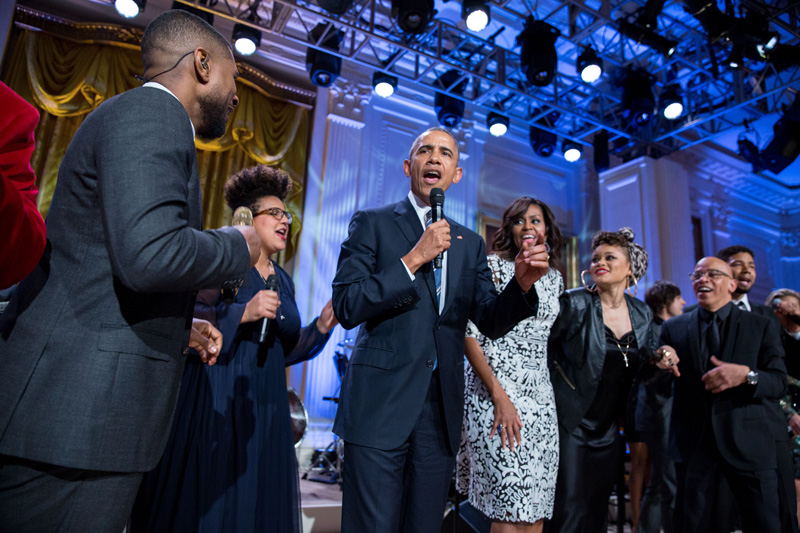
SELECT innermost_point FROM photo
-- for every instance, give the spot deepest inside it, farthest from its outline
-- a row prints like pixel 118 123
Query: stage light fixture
pixel 129 8
pixel 205 15
pixel 384 84
pixel 735 60
pixel 749 151
pixel 449 110
pixel 413 16
pixel 600 151
pixel 498 124
pixel 476 13
pixel 638 102
pixel 784 147
pixel 589 66
pixel 572 151
pixel 538 55
pixel 324 68
pixel 672 102
pixel 335 7
pixel 246 40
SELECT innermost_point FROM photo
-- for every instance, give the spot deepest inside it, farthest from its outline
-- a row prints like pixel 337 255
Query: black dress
pixel 230 462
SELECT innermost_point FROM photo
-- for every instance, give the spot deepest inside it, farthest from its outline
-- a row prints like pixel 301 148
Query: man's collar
pixel 745 301
pixel 722 312
pixel 419 207
pixel 157 85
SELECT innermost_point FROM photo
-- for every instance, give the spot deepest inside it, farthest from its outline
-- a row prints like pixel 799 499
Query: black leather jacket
pixel 577 350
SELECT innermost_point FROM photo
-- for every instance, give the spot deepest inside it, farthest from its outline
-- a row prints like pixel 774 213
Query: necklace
pixel 272 268
pixel 625 353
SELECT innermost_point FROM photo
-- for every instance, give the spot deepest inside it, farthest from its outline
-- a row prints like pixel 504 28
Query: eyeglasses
pixel 275 212
pixel 712 274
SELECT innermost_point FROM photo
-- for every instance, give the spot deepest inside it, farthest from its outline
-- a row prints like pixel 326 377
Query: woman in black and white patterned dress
pixel 508 459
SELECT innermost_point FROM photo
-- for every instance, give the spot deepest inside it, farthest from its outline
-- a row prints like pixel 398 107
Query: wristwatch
pixel 752 377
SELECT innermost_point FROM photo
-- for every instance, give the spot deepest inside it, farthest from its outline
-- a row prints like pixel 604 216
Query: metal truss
pixel 716 98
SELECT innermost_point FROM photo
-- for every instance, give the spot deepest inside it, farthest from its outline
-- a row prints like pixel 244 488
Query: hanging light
pixel 672 102
pixel 538 55
pixel 450 110
pixel 589 66
pixel 572 151
pixel 413 16
pixel 246 39
pixel 324 68
pixel 476 13
pixel 638 102
pixel 384 84
pixel 498 124
pixel 129 8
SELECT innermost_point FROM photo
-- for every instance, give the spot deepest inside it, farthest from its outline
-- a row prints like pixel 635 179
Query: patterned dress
pixel 516 486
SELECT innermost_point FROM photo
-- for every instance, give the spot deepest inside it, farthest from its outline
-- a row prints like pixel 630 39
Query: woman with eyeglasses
pixel 230 461
pixel 598 345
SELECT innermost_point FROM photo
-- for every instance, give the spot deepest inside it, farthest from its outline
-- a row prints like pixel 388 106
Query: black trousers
pixel 404 489
pixel 658 503
pixel 700 506
pixel 587 469
pixel 38 497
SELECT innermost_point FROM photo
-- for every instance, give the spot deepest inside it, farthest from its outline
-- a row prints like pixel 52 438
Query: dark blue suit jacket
pixel 401 330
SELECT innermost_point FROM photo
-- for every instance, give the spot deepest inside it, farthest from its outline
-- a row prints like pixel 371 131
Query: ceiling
pixel 719 101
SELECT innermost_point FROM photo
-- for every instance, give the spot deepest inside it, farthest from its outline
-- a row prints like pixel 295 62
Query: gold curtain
pixel 66 80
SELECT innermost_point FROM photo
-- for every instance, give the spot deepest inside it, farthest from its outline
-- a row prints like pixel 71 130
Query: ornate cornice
pixel 128 37
pixel 347 101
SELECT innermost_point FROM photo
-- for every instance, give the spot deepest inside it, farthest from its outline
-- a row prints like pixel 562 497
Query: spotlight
pixel 538 53
pixel 498 124
pixel 205 15
pixel 589 66
pixel 785 144
pixel 449 110
pixel 600 149
pixel 384 84
pixel 476 13
pixel 413 16
pixel 129 8
pixel 543 142
pixel 324 68
pixel 735 60
pixel 335 7
pixel 246 40
pixel 572 151
pixel 638 102
pixel 672 102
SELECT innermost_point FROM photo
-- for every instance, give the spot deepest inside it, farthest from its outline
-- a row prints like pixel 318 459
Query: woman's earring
pixel 635 286
pixel 585 286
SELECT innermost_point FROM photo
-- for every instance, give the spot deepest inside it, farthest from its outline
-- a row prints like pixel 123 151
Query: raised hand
pixel 434 241
pixel 532 262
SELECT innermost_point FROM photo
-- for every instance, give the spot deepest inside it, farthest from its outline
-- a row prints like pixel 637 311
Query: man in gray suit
pixel 91 345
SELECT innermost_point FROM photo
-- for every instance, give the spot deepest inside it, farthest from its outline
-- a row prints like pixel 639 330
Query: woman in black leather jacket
pixel 600 341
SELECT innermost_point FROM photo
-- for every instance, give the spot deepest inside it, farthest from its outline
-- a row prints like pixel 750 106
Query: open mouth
pixel 703 290
pixel 431 176
pixel 282 233
pixel 528 237
pixel 600 271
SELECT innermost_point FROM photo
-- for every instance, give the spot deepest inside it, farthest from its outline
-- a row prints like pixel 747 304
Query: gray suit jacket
pixel 91 344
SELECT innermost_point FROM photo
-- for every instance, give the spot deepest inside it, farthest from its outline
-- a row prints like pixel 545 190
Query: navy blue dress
pixel 230 462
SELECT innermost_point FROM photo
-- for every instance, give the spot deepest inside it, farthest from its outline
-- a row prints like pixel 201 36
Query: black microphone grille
pixel 437 196
pixel 272 282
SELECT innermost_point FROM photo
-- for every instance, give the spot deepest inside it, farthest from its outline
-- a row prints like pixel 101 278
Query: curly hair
pixel 726 253
pixel 248 186
pixel 660 295
pixel 503 241
pixel 624 239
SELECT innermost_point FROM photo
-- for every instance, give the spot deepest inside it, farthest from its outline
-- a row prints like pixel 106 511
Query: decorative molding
pixel 347 101
pixel 128 37
pixel 720 212
pixel 790 240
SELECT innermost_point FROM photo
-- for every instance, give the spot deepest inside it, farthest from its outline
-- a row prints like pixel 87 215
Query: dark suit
pixel 91 345
pixel 390 384
pixel 728 433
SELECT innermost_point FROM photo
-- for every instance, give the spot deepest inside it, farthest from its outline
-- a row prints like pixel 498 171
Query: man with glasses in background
pixel 731 367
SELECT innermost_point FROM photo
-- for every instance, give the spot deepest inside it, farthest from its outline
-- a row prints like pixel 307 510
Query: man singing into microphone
pixel 403 393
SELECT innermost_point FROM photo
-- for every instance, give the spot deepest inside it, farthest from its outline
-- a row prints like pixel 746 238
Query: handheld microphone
pixel 272 285
pixel 437 213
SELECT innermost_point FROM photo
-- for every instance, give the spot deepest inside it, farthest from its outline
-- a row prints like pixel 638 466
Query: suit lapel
pixel 732 336
pixel 455 260
pixel 693 333
pixel 410 226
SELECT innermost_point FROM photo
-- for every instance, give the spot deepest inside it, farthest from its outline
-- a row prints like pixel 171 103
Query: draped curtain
pixel 66 80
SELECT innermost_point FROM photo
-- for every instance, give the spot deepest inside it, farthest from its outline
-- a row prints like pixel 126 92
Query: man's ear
pixel 201 66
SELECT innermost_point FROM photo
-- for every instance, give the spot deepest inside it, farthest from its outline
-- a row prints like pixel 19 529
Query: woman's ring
pixel 500 427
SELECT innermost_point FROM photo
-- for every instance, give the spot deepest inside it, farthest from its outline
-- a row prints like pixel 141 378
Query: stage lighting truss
pixel 404 37
pixel 335 7
pixel 129 8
